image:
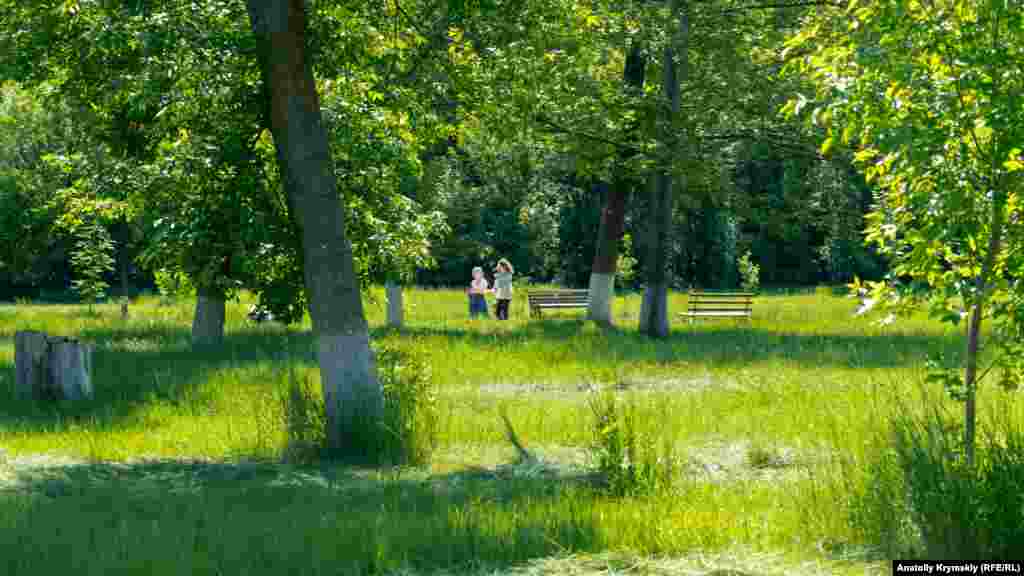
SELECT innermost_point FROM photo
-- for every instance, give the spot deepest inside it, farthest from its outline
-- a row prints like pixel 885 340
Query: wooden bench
pixel 701 304
pixel 556 299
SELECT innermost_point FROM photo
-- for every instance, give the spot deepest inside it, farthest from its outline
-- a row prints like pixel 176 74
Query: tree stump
pixel 70 364
pixel 30 352
pixel 52 368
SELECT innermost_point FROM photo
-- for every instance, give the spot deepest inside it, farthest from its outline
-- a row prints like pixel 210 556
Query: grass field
pixel 175 466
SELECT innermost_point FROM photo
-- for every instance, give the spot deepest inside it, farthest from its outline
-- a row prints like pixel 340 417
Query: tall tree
pixel 654 309
pixel 352 392
pixel 602 275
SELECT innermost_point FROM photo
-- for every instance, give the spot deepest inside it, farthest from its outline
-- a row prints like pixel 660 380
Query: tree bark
pixel 51 368
pixel 982 286
pixel 352 392
pixel 208 322
pixel 70 368
pixel 393 294
pixel 654 310
pixel 606 254
pixel 30 363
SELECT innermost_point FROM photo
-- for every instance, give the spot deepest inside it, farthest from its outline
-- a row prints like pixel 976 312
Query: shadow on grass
pixel 138 365
pixel 725 344
pixel 263 518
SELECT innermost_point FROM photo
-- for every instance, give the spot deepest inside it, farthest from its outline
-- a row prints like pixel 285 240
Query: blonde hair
pixel 508 265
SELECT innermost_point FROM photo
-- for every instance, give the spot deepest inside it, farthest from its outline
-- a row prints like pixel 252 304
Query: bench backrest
pixel 701 301
pixel 559 296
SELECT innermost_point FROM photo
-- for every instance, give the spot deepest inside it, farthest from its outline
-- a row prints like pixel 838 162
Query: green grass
pixel 182 447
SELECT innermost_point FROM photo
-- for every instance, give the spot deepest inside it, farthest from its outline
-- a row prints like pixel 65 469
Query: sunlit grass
pixel 804 377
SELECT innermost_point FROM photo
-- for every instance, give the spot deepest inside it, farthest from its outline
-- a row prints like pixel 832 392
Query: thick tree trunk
pixel 606 253
pixel 654 310
pixel 347 372
pixel 70 368
pixel 393 294
pixel 208 322
pixel 30 363
pixel 51 368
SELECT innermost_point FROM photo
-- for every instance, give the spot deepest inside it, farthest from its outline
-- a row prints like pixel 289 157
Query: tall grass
pixel 760 425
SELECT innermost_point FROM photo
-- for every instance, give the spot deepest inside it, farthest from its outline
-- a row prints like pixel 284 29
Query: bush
pixel 173 284
pixel 626 266
pixel 921 499
pixel 305 420
pixel 750 273
pixel 405 435
pixel 628 461
pixel 410 430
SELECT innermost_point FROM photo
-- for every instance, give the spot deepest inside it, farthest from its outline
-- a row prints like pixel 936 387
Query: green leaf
pixel 826 146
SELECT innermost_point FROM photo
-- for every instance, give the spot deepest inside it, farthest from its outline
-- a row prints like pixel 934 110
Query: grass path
pixel 177 460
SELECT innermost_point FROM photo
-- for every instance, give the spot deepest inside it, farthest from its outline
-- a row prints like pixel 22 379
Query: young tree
pixel 930 95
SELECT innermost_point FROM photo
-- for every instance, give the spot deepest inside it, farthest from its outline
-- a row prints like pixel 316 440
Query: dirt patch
pixel 722 461
pixel 580 390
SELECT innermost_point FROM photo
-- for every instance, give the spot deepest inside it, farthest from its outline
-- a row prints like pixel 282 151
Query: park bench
pixel 556 299
pixel 702 304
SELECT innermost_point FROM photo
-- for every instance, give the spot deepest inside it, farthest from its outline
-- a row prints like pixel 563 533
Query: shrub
pixel 305 420
pixel 406 434
pixel 626 266
pixel 750 273
pixel 628 460
pixel 921 499
pixel 410 430
pixel 173 284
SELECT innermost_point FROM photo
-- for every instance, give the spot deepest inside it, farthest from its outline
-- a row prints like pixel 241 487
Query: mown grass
pixel 772 416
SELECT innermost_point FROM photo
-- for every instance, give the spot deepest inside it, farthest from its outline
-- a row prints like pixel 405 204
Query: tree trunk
pixel 208 322
pixel 654 310
pixel 352 392
pixel 70 368
pixel 393 293
pixel 124 270
pixel 970 380
pixel 30 363
pixel 606 253
pixel 51 368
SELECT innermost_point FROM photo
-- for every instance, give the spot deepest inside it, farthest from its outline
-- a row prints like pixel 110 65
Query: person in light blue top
pixel 503 288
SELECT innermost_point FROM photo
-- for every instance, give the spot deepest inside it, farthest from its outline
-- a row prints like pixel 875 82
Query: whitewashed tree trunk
pixel 352 394
pixel 30 363
pixel 606 253
pixel 208 322
pixel 602 293
pixel 347 370
pixel 70 368
pixel 393 294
